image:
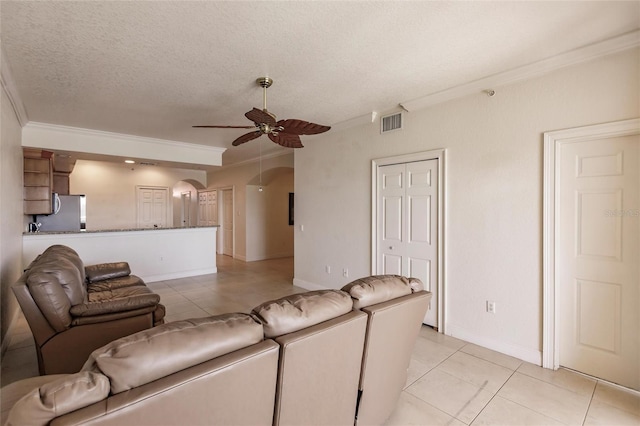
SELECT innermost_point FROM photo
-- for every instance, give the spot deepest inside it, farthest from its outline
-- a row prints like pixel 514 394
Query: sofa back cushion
pixel 53 284
pixel 59 251
pixel 61 396
pixel 148 355
pixel 298 311
pixel 107 271
pixel 377 289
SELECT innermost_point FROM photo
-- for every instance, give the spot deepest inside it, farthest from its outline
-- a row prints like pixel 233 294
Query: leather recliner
pixel 73 310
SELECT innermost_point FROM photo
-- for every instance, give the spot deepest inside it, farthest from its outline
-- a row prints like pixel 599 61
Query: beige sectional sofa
pixel 330 357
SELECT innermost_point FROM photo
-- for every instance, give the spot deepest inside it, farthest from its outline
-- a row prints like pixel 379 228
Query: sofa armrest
pixel 106 271
pixel 120 304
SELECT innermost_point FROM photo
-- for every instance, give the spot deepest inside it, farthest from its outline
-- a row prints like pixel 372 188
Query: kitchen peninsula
pixel 154 254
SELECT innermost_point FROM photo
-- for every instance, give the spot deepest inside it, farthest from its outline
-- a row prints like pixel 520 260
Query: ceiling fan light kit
pixel 284 132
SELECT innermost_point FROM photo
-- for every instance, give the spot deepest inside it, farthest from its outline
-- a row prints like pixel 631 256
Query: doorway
pixel 592 251
pixel 226 223
pixel 408 225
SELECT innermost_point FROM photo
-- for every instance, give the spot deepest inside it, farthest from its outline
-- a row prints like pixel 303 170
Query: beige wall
pixel 111 190
pixel 12 220
pixel 269 234
pixel 494 193
pixel 239 177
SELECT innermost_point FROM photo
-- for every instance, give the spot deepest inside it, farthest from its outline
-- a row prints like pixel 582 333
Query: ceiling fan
pixel 283 132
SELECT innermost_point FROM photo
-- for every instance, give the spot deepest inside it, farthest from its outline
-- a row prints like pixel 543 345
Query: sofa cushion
pixel 58 250
pixel 60 396
pixel 416 285
pixel 377 289
pixel 60 272
pixel 109 302
pixel 298 311
pixel 46 291
pixel 115 283
pixel 148 355
pixel 107 271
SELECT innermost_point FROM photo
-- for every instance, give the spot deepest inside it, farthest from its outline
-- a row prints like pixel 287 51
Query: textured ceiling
pixel 155 69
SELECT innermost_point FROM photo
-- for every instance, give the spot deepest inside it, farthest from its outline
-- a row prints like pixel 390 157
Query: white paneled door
pixel 407 225
pixel 152 207
pixel 599 258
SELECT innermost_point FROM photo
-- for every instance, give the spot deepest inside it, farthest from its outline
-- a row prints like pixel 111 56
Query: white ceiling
pixel 154 69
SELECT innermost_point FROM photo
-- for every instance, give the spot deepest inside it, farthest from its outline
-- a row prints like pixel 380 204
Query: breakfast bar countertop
pixel 118 230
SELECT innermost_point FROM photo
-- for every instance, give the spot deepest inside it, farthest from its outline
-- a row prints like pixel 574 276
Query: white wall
pixel 153 254
pixel 12 220
pixel 269 234
pixel 111 190
pixel 238 177
pixel 494 189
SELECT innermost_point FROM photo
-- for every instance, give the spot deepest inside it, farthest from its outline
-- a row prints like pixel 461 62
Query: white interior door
pixel 599 258
pixel 185 208
pixel 152 207
pixel 227 222
pixel 407 225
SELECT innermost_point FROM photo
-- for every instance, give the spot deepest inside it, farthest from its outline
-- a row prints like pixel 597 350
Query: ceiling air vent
pixel 147 163
pixel 392 122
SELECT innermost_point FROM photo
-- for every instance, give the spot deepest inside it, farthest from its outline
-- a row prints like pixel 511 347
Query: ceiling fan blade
pixel 287 140
pixel 301 127
pixel 259 116
pixel 226 127
pixel 246 138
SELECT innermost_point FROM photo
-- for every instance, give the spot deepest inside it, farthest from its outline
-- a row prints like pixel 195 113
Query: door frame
pixel 221 218
pixel 553 142
pixel 440 156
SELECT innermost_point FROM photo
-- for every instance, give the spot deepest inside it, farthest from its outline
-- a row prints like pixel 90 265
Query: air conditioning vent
pixel 391 122
pixel 147 163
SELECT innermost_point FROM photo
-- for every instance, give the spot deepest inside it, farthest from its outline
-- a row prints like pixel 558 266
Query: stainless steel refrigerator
pixel 70 214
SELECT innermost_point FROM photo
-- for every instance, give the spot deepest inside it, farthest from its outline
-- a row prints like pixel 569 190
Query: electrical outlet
pixel 491 306
pixel 327 269
pixel 345 273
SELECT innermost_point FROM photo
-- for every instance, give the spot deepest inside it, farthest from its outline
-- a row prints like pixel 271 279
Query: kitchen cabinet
pixel 38 181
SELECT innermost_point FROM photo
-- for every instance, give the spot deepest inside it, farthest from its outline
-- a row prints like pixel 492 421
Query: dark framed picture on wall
pixel 291 208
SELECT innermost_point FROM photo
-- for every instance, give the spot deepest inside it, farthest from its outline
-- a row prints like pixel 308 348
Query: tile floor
pixel 450 382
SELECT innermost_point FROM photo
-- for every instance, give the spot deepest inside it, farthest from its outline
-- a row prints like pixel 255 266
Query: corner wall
pixel 240 177
pixel 494 194
pixel 12 220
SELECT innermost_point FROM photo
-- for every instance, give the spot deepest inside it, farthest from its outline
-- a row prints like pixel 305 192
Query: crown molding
pixel 356 121
pixel 121 136
pixel 11 90
pixel 584 54
pixel 74 139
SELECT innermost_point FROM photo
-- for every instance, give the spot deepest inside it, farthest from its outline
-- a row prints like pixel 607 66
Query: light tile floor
pixel 450 382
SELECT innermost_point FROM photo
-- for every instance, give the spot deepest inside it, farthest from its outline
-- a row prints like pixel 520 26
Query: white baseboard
pixel 308 285
pixel 270 256
pixel 180 274
pixel 526 354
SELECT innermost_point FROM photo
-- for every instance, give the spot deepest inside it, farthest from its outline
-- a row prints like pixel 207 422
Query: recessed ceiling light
pixel 129 161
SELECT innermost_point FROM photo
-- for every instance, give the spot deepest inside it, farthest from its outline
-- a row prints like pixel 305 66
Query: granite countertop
pixel 117 230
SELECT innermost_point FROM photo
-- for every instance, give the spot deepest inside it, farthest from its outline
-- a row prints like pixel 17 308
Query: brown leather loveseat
pixel 73 310
pixel 336 357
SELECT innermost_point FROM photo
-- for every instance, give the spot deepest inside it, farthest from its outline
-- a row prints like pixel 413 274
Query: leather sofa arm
pixel 106 271
pixel 120 304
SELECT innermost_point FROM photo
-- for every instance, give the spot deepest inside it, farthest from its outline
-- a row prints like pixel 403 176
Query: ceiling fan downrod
pixel 265 83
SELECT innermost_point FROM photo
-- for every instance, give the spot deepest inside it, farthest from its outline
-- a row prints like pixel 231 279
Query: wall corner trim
pixel 583 54
pixel 11 89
